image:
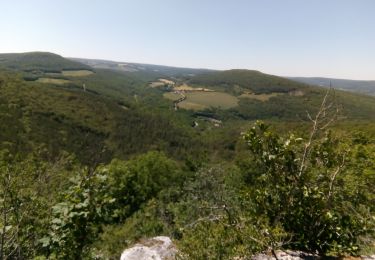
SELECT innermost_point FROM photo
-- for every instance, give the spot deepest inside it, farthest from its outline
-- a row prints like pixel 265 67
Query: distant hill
pixel 258 95
pixel 115 112
pixel 39 61
pixel 138 67
pixel 252 80
pixel 360 86
pixel 263 96
pixel 232 95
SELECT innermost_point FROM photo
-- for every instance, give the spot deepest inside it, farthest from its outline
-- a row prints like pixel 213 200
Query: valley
pixel 187 130
pixel 105 154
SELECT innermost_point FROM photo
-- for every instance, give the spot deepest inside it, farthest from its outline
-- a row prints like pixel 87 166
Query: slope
pixel 263 96
pixel 94 128
pixel 39 61
pixel 150 69
pixel 360 86
pixel 252 80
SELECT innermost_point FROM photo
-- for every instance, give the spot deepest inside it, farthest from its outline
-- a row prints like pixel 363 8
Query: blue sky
pixel 332 38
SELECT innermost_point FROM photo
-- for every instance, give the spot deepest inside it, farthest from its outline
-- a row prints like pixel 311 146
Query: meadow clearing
pixel 202 100
pixel 185 87
pixel 260 97
pixel 156 84
pixel 53 81
pixel 172 96
pixel 76 73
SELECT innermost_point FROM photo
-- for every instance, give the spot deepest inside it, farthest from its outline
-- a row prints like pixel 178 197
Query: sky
pixel 327 38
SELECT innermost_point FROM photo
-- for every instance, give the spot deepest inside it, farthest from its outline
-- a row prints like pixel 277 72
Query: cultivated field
pixel 53 81
pixel 260 97
pixel 172 96
pixel 166 81
pixel 76 73
pixel 156 84
pixel 191 106
pixel 201 100
pixel 185 87
pixel 161 83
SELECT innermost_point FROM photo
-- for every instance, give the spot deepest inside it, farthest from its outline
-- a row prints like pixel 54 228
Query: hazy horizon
pixel 288 38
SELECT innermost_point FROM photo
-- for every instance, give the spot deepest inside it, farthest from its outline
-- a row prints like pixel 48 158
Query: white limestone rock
pixel 157 248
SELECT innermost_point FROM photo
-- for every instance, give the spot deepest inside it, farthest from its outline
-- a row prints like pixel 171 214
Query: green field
pixel 201 100
pixel 191 106
pixel 260 97
pixel 172 96
pixel 76 73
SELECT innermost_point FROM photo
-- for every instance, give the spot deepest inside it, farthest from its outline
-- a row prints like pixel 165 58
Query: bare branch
pixel 334 175
pixel 322 120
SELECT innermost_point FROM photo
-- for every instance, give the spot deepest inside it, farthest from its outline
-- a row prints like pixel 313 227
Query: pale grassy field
pixel 156 84
pixel 53 81
pixel 260 97
pixel 160 83
pixel 167 81
pixel 191 106
pixel 172 96
pixel 76 73
pixel 201 100
pixel 53 74
pixel 296 93
pixel 185 87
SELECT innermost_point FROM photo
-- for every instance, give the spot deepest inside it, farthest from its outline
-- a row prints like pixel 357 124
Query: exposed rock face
pixel 162 248
pixel 297 255
pixel 157 248
pixel 285 255
pixel 370 257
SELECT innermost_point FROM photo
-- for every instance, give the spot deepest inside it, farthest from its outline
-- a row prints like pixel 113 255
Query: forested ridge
pixel 89 167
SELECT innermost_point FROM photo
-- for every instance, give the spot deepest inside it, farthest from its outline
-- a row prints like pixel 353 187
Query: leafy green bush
pixel 303 188
pixel 108 195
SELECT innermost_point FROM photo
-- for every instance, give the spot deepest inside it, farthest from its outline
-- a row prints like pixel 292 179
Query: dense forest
pixel 92 164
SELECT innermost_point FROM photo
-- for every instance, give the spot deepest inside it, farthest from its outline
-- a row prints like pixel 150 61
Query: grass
pixel 260 97
pixel 201 100
pixel 166 81
pixel 53 81
pixel 76 73
pixel 156 84
pixel 161 83
pixel 191 106
pixel 254 81
pixel 53 74
pixel 172 96
pixel 82 123
pixel 184 87
pixel 39 61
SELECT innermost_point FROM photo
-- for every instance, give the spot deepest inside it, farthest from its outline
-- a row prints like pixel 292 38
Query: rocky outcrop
pixel 285 255
pixel 162 248
pixel 298 255
pixel 157 248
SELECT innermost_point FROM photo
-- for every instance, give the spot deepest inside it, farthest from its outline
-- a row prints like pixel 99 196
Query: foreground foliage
pixel 84 174
pixel 283 194
pixel 308 190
